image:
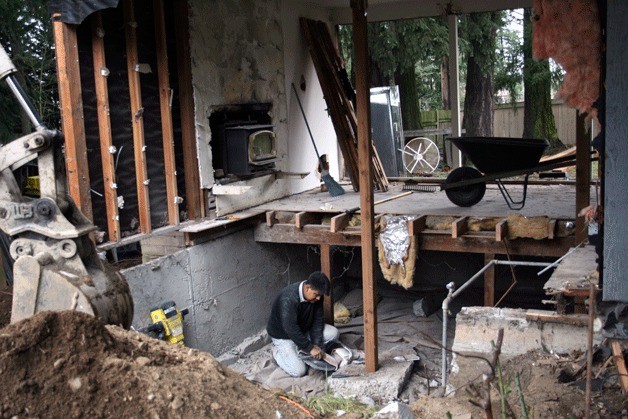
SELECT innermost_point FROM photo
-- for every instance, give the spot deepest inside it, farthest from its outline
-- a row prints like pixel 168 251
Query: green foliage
pixel 26 34
pixel 509 59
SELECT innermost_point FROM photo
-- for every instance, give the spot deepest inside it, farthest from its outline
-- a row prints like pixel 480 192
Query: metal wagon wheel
pixel 420 155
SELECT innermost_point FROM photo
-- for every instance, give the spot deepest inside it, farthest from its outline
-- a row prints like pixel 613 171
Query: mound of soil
pixel 68 364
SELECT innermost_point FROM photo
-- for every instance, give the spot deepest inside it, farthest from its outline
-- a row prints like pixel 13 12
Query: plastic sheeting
pixel 75 11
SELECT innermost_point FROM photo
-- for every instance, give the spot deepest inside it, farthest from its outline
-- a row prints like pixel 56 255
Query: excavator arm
pixel 56 264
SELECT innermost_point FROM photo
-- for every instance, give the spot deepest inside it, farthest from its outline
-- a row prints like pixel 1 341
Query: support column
pixel 489 281
pixel 326 269
pixel 454 88
pixel 583 175
pixel 72 119
pixel 365 154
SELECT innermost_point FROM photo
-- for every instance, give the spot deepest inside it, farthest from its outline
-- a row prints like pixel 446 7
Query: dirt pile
pixel 68 364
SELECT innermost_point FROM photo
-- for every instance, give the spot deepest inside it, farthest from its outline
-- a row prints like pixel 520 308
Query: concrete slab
pixel 476 327
pixel 383 386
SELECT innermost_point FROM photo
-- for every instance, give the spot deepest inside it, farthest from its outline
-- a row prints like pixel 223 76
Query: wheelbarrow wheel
pixel 469 195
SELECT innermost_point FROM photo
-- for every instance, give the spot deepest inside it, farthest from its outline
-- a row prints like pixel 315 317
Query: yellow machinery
pixel 167 323
pixel 56 264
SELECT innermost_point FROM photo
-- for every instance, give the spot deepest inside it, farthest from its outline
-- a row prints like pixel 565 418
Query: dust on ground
pixel 69 364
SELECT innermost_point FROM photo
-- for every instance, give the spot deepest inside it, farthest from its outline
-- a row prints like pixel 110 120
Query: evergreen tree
pixel 26 34
pixel 538 118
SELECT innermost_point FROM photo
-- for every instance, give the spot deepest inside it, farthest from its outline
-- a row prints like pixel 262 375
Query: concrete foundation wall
pixel 228 285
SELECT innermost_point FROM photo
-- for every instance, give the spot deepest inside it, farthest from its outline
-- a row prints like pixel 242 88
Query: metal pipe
pixel 25 102
pixel 451 286
pixel 451 295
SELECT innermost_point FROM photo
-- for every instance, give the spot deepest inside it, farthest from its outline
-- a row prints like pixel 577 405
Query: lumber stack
pixel 338 92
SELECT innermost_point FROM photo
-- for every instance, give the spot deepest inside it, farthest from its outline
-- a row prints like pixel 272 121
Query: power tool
pixel 167 323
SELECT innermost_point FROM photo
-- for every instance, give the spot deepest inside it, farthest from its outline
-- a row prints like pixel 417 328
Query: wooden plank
pixel 579 320
pixel 167 134
pixel 501 230
pixel 326 267
pixel 193 193
pixel 551 228
pixel 618 355
pixel 365 156
pixel 270 218
pixel 459 227
pixel 430 240
pixel 417 225
pixel 137 117
pixel 340 222
pixel 72 119
pixel 303 218
pixel 489 281
pixel 583 176
pixel 104 128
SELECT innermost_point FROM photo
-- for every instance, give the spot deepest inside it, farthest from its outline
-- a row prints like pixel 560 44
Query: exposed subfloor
pixel 553 200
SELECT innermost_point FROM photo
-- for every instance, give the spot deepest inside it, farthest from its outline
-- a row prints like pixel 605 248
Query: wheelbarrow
pixel 496 158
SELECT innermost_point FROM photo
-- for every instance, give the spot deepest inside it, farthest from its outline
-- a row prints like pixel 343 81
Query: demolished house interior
pixel 188 131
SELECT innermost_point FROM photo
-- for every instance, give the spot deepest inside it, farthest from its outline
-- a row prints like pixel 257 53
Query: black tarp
pixel 75 11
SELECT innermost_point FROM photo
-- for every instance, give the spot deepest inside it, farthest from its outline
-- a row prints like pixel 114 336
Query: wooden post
pixel 489 281
pixel 170 168
pixel 454 88
pixel 137 118
pixel 365 154
pixel 326 269
pixel 583 175
pixel 72 120
pixel 104 128
pixel 195 204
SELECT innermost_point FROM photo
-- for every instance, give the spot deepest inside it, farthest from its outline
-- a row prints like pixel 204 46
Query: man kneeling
pixel 296 323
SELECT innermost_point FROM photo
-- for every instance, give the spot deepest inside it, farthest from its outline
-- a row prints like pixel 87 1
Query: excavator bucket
pixel 56 264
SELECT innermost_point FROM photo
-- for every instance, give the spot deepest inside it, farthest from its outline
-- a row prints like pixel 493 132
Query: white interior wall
pixel 298 63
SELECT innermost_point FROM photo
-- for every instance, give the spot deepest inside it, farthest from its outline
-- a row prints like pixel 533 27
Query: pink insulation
pixel 569 32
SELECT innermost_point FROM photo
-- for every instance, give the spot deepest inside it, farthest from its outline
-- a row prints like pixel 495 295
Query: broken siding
pixel 236 59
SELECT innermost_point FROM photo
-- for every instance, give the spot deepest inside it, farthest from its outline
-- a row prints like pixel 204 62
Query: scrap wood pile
pixel 68 364
pixel 338 93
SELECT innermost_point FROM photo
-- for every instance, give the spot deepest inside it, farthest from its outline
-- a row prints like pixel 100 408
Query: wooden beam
pixel 365 156
pixel 318 234
pixel 72 119
pixel 417 225
pixel 501 230
pixel 167 134
pixel 583 175
pixel 459 227
pixel 618 356
pixel 271 218
pixel 340 222
pixel 551 228
pixel 137 117
pixel 193 194
pixel 304 217
pixel 328 302
pixel 489 281
pixel 107 149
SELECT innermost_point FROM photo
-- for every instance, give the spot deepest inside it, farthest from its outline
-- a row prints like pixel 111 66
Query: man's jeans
pixel 286 353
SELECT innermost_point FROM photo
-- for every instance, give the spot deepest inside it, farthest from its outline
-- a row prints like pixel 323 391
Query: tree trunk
pixel 538 118
pixel 478 101
pixel 410 112
pixel 444 82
